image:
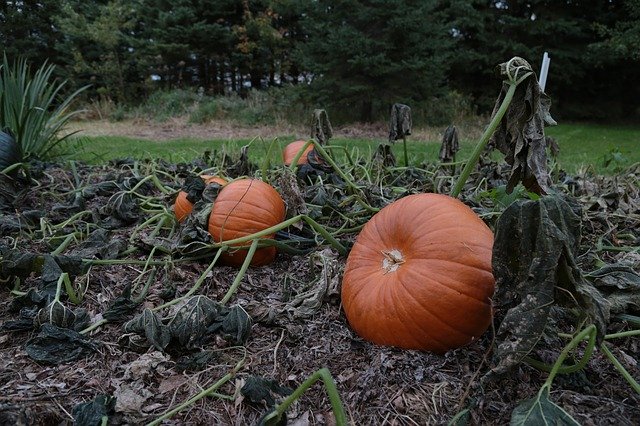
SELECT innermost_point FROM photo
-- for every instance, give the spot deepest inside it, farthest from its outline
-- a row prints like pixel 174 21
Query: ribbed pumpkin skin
pixel 244 207
pixel 438 299
pixel 183 207
pixel 291 150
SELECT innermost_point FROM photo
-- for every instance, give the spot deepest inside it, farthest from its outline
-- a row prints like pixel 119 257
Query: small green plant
pixel 34 109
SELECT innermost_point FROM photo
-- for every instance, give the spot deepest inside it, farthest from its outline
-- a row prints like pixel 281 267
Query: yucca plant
pixel 34 108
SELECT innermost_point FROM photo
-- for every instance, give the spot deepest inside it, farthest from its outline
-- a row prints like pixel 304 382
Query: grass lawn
pixel 580 145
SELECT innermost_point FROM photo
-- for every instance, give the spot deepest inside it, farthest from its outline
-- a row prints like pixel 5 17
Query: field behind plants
pixel 111 307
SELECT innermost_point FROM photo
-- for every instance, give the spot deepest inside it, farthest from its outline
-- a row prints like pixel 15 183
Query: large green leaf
pixel 540 410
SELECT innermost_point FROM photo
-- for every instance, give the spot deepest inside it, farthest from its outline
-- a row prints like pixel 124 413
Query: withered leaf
pixel 190 324
pixel 450 145
pixel 534 267
pixel 400 122
pixel 149 325
pixel 56 345
pixel 91 413
pixel 321 129
pixel 121 307
pixel 258 389
pixel 520 134
pixel 236 325
pixel 193 186
pixel 620 285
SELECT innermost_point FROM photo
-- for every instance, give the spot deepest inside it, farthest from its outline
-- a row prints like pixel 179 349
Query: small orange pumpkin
pixel 244 207
pixel 291 150
pixel 183 207
pixel 419 275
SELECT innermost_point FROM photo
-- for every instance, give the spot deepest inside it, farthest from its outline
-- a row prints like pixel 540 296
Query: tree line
pixel 358 56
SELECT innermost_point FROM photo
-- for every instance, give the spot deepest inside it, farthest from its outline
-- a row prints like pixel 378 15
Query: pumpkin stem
pixel 392 260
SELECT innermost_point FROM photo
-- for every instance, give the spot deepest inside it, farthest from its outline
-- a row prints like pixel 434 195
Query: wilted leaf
pixel 121 307
pixel 190 324
pixel 400 122
pixel 100 245
pixel 520 135
pixel 91 413
pixel 258 389
pixel 308 302
pixel 55 313
pixel 540 411
pixel 291 193
pixel 123 207
pixel 321 129
pixel 195 362
pixel 535 269
pixel 236 325
pixel 150 325
pixel 193 186
pixel 450 145
pixel 620 285
pixel 55 345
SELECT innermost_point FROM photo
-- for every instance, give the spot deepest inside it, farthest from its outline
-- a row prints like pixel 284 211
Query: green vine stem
pixel 589 331
pixel 493 125
pixel 566 369
pixel 622 334
pixel 620 368
pixel 211 390
pixel 243 270
pixel 332 391
pixel 406 153
pixel 315 225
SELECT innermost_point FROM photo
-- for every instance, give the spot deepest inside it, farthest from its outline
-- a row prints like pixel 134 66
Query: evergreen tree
pixel 27 30
pixel 367 55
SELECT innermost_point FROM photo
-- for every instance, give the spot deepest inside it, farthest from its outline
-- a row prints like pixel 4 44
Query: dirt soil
pixel 378 385
pixel 179 127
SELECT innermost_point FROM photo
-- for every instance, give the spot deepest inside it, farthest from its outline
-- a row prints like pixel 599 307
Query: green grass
pixel 580 145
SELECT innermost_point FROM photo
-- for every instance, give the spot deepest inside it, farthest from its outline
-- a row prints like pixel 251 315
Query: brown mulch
pixel 378 385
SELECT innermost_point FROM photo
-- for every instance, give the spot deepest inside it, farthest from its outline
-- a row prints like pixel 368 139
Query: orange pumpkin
pixel 244 207
pixel 183 207
pixel 291 150
pixel 419 275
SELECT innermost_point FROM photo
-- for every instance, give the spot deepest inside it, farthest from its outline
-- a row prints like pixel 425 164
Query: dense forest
pixel 357 56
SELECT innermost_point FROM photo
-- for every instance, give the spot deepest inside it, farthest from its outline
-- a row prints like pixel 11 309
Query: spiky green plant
pixel 34 108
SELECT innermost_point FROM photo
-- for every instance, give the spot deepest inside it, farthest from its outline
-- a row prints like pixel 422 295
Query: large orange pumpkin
pixel 244 207
pixel 291 150
pixel 419 275
pixel 183 207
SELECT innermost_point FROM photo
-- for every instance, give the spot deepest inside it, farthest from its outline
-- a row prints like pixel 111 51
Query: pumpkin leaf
pixel 55 313
pixel 321 129
pixel 195 362
pixel 260 390
pixel 91 413
pixel 535 270
pixel 400 122
pixel 193 186
pixel 236 325
pixel 520 134
pixel 56 345
pixel 190 324
pixel 122 209
pixel 620 285
pixel 121 307
pixel 100 245
pixel 540 410
pixel 450 145
pixel 149 325
pixel 309 299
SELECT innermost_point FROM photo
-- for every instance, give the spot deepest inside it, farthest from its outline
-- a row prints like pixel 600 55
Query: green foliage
pixel 367 56
pixel 166 104
pixel 33 108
